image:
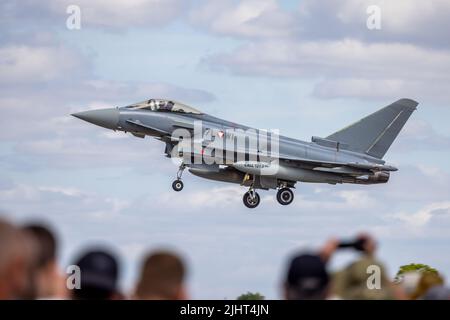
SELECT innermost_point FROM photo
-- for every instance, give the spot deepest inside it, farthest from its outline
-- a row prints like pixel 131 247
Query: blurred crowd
pixel 29 269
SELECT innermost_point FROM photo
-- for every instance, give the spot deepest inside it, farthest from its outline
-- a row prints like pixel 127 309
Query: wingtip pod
pixel 409 103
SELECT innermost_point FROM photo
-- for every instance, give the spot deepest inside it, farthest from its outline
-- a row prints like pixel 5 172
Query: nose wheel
pixel 178 185
pixel 251 199
pixel 285 196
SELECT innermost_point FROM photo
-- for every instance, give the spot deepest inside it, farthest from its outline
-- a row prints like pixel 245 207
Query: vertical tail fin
pixel 375 133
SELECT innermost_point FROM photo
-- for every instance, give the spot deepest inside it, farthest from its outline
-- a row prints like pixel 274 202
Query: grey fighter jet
pixel 220 150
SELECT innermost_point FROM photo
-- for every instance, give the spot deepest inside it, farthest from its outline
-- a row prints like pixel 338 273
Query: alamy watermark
pixel 374 279
pixel 73 280
pixel 73 21
pixel 373 21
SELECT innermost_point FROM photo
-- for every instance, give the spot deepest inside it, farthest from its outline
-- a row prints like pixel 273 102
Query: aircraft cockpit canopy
pixel 164 105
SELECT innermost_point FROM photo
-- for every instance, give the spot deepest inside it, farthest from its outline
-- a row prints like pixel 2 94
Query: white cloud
pixel 88 152
pixel 110 14
pixel 415 185
pixel 357 199
pixel 125 14
pixel 428 222
pixel 425 214
pixel 247 18
pixel 27 64
pixel 414 21
pixel 346 68
pixel 419 134
pixel 217 197
pixel 349 58
pixel 328 42
pixel 381 89
pixel 60 203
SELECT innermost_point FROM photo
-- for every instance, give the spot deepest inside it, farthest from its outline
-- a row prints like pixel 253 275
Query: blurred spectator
pixel 14 262
pixel 351 283
pixel 162 278
pixel 99 276
pixel 427 281
pixel 46 277
pixel 307 277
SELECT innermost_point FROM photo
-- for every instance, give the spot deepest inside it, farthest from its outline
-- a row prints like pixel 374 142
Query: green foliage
pixel 419 267
pixel 251 296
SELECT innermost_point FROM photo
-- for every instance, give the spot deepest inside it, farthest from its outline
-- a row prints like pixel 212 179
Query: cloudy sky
pixel 305 67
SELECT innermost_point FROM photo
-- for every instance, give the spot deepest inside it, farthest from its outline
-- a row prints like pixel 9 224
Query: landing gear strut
pixel 285 196
pixel 251 198
pixel 178 185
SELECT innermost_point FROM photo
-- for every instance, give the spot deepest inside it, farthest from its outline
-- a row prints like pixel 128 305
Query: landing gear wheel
pixel 177 185
pixel 251 199
pixel 285 196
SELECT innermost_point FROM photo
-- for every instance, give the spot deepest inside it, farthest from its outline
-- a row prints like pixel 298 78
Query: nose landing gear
pixel 178 185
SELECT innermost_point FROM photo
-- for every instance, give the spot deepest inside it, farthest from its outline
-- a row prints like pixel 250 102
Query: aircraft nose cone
pixel 107 118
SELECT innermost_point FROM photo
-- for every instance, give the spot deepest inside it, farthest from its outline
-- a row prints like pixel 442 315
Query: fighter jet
pixel 221 150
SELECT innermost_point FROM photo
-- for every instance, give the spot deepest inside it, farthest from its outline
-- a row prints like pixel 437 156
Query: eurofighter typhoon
pixel 220 150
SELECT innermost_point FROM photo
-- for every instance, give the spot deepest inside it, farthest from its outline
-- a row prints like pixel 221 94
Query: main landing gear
pixel 285 196
pixel 178 185
pixel 251 198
